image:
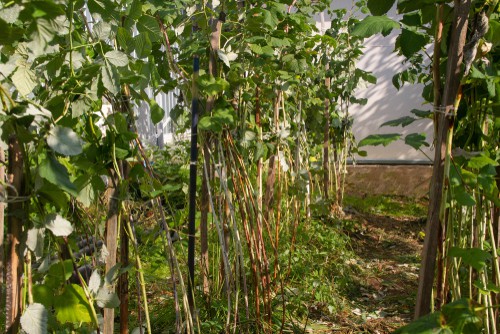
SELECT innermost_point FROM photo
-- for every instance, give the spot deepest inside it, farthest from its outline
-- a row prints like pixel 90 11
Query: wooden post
pixel 453 75
pixel 14 236
pixel 3 196
pixel 111 243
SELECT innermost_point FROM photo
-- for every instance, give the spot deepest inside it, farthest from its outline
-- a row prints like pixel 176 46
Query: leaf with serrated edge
pixel 106 298
pixel 24 79
pixel 34 319
pixel 72 305
pixel 223 57
pixel 35 241
pixel 383 139
pixel 110 78
pixel 59 226
pixel 372 25
pixel 117 58
pixel 94 282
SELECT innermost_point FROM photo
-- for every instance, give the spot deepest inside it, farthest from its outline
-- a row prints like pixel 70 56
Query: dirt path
pixel 389 257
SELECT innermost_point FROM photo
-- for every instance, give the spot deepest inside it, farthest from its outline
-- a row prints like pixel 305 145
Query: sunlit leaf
pixel 58 225
pixel 106 298
pixel 24 79
pixel 11 13
pixel 223 57
pixel 102 30
pixel 94 282
pixel 34 319
pixel 72 305
pixel 35 241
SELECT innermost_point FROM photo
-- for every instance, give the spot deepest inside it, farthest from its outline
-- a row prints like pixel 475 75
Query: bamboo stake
pixel 453 73
pixel 113 194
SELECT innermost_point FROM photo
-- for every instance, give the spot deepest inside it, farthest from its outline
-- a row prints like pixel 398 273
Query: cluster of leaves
pixel 63 63
pixel 461 316
pixel 472 183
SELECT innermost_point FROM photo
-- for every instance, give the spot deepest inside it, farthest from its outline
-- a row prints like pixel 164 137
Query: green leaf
pixel 58 273
pixel 416 140
pixel 125 40
pixel 493 34
pixel 412 19
pixel 428 324
pixel 72 305
pixel 382 139
pixel 112 275
pixel 372 25
pixel 43 294
pixel 143 45
pixel 74 58
pixel 54 172
pixel 220 118
pixel 24 79
pixel 157 112
pixel 406 6
pixel 257 49
pixel 462 197
pixel 148 25
pixel 380 7
pixel 462 317
pixel 102 30
pixel 117 58
pixel 421 113
pixel 58 225
pixel 403 121
pixel 474 257
pixel 43 31
pixel 411 42
pixel 480 161
pixel 9 34
pixel 212 86
pixel 110 78
pixel 64 141
pixel 34 319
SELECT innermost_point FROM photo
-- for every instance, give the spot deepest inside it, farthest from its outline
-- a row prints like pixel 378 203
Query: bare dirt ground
pixel 389 256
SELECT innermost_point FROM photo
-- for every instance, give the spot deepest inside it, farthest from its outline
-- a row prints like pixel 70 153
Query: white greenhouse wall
pixel 385 102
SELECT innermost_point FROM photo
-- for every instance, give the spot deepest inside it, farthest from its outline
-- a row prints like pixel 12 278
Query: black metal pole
pixel 192 183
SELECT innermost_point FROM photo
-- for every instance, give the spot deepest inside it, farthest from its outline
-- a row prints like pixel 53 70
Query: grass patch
pixel 395 206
